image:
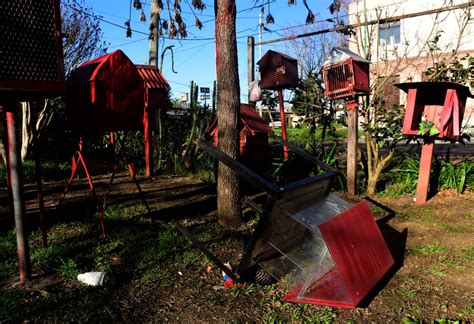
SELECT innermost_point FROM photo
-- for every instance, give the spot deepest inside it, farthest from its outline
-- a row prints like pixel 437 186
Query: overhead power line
pixel 367 23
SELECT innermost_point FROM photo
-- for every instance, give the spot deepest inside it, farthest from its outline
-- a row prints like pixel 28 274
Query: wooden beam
pixel 352 136
pixel 424 173
pixel 249 175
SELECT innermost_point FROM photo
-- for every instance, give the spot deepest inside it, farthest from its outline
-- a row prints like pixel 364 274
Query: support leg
pixel 283 124
pixel 16 173
pixel 39 182
pixel 352 135
pixel 109 187
pixel 74 164
pixel 131 169
pixel 424 173
pixel 100 209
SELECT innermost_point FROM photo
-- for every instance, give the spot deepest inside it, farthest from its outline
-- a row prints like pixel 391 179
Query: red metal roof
pixel 152 77
pixel 249 118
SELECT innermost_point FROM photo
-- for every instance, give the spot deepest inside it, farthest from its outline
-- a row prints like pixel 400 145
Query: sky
pixel 194 57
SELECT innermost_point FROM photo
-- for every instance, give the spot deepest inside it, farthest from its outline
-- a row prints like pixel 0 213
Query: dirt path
pixel 159 276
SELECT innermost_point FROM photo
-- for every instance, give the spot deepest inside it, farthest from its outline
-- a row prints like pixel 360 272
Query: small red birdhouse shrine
pixel 106 94
pixel 253 138
pixel 156 92
pixel 346 74
pixel 278 71
pixel 441 104
pixel 434 110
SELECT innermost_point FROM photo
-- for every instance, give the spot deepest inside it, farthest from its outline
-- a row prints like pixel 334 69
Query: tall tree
pixel 228 97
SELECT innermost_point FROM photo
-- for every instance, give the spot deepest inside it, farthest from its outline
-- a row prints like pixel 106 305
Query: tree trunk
pixel 228 98
pixel 374 176
pixel 26 130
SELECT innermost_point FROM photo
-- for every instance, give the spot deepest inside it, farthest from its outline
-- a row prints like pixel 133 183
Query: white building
pixel 403 49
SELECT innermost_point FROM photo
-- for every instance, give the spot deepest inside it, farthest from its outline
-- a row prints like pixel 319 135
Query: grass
pixel 149 257
pixel 301 134
pixel 428 249
pixel 51 171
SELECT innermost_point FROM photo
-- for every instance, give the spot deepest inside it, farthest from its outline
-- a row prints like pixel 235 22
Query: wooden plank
pixel 352 129
pixel 409 112
pixel 241 169
pixel 208 253
pixel 303 153
pixel 424 173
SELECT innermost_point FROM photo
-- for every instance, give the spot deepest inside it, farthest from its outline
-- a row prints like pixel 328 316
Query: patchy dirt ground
pixel 159 276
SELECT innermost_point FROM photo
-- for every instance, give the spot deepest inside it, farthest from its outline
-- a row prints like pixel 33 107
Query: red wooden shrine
pixel 278 72
pixel 346 74
pixel 441 103
pixel 155 95
pixel 253 139
pixel 110 94
pixel 106 94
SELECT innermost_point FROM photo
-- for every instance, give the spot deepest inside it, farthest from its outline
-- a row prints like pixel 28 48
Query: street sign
pixel 205 90
pixel 205 97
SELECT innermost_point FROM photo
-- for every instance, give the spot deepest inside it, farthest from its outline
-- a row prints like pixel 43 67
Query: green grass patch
pixel 52 171
pixel 302 135
pixel 428 249
pixel 462 229
pixel 467 253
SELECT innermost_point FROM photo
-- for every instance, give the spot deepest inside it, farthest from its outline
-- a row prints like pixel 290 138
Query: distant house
pixel 402 50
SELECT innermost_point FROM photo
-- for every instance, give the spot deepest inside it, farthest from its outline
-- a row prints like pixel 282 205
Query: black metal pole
pixel 16 173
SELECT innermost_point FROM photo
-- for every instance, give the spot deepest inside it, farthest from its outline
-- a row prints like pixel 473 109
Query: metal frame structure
pixel 273 194
pixel 80 160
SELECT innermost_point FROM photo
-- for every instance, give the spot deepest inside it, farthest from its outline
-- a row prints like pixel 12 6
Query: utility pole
pixel 260 31
pixel 149 111
pixel 260 38
pixel 250 59
pixel 154 41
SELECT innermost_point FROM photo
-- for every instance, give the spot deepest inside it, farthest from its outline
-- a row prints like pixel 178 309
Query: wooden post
pixel 283 123
pixel 250 59
pixel 352 136
pixel 424 173
pixel 16 174
pixel 154 26
pixel 148 142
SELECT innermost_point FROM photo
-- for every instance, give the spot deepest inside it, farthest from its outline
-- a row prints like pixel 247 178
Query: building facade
pixel 403 41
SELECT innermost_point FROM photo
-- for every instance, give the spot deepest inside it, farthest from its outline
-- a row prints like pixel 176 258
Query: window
pixel 389 33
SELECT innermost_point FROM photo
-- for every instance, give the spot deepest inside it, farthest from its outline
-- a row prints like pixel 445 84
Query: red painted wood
pixel 106 94
pixel 424 173
pixel 358 250
pixel 441 102
pixel 409 112
pixel 283 124
pixel 330 290
pixel 148 138
pixel 253 139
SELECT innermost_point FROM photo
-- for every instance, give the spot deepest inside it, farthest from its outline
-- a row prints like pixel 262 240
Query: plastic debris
pixel 228 281
pixel 93 278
